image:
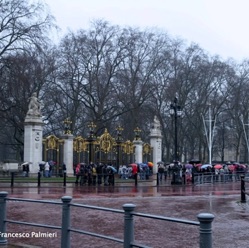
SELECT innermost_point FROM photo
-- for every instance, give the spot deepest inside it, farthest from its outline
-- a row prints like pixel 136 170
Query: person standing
pixel 46 168
pixel 160 171
pixel 25 169
pixel 166 167
pixel 105 174
pixel 94 174
pixel 41 169
pixel 51 166
pixel 99 173
pixel 64 169
pixel 77 173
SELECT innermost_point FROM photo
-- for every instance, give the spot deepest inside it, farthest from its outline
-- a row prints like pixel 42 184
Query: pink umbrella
pixel 231 167
pixel 218 166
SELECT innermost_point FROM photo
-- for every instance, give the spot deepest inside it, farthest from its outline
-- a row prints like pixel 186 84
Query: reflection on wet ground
pixel 76 191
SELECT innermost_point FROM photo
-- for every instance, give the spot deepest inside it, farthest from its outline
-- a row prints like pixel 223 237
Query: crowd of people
pixel 227 171
pixel 129 171
pixel 94 174
pixel 47 169
pixel 220 172
pixel 100 173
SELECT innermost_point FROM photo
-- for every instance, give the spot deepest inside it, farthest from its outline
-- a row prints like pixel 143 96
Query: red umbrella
pixel 133 165
pixel 218 166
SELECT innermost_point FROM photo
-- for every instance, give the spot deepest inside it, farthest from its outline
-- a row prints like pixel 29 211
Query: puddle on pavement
pixel 121 191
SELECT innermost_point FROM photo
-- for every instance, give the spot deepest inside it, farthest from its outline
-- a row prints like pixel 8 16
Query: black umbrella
pixel 194 161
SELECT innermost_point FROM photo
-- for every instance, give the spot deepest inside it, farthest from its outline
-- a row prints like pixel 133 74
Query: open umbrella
pixel 205 166
pixel 242 166
pixel 26 163
pixel 144 165
pixel 194 161
pixel 132 165
pixel 150 164
pixel 188 166
pixel 218 166
pixel 231 167
pixel 112 168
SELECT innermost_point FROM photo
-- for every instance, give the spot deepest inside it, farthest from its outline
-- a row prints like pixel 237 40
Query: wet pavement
pixel 230 226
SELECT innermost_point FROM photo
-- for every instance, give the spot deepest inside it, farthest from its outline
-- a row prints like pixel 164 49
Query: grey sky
pixel 218 26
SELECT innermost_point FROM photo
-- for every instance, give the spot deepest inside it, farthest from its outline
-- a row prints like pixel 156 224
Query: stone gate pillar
pixel 33 133
pixel 138 150
pixel 156 143
pixel 68 152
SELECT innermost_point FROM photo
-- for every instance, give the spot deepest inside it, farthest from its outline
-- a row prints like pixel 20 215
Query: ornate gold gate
pixel 53 151
pixel 147 152
pixel 102 149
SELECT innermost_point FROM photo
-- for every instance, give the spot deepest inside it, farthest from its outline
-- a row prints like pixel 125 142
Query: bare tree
pixel 23 41
pixel 21 75
pixel 22 24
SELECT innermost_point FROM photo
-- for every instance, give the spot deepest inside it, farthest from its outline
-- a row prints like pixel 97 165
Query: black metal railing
pixel 204 222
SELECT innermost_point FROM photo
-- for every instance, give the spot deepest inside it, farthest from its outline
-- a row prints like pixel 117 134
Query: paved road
pixel 230 227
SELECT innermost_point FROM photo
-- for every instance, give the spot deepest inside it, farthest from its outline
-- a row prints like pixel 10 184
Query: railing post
pixel 128 225
pixel 243 189
pixel 64 179
pixel 3 196
pixel 205 229
pixel 65 233
pixel 39 179
pixel 12 179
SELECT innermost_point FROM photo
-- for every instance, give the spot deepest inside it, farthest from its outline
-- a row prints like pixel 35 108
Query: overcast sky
pixel 218 26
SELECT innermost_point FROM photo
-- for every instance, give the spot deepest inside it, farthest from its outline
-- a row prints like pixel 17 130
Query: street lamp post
pixel 67 126
pixel 119 141
pixel 91 139
pixel 175 112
